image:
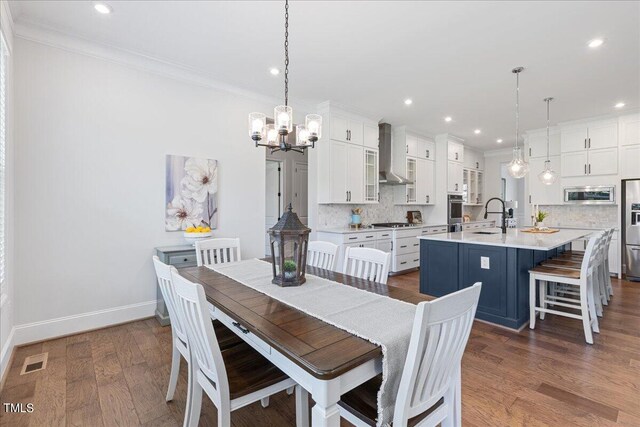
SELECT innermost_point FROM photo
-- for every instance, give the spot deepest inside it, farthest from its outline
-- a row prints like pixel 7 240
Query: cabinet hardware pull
pixel 368 237
pixel 416 260
pixel 589 164
pixel 239 326
pixel 456 156
pixel 392 246
pixel 477 165
pixel 403 246
pixel 589 142
pixel 407 198
pixel 427 154
pixel 585 168
pixel 427 199
pixel 185 260
pixel 529 151
pixel 529 198
pixel 585 143
pixel 347 196
pixel 353 238
pixel 407 148
pixel 403 262
pixel 378 196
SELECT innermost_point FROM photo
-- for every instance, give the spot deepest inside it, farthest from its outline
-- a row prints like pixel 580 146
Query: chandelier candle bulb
pixel 314 125
pixel 302 135
pixel 257 123
pixel 283 115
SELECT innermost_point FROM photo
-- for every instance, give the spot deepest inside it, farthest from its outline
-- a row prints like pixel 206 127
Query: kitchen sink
pixel 485 232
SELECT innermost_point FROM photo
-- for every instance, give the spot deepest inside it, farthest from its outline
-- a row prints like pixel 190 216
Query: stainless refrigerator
pixel 631 228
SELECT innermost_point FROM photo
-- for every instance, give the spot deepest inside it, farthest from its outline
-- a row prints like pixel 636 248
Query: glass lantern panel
pixel 283 116
pixel 313 123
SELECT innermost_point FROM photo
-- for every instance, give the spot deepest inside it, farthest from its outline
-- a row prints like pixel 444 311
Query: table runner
pixel 381 320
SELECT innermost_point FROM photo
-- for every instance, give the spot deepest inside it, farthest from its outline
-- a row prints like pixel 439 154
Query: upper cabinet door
pixel 371 135
pixel 338 178
pixel 603 162
pixel 470 159
pixel 603 135
pixel 454 177
pixel 412 145
pixel 355 173
pixel 629 161
pixel 573 139
pixel 630 130
pixel 339 128
pixel 428 181
pixel 538 144
pixel 456 152
pixel 573 164
pixel 426 149
pixel 356 130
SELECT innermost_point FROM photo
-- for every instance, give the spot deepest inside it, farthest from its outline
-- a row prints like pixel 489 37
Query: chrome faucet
pixel 504 213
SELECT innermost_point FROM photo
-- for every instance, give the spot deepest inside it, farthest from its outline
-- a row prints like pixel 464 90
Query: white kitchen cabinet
pixel 355 175
pixel 371 192
pixel 473 160
pixel 537 142
pixel 594 135
pixel 346 130
pixel 630 129
pixel 455 151
pixel 371 136
pixel 426 149
pixel 410 189
pixel 614 257
pixel 472 186
pixel 411 145
pixel 377 239
pixel 454 177
pixel 426 184
pixel 590 162
pixel 630 161
pixel 542 194
pixel 603 162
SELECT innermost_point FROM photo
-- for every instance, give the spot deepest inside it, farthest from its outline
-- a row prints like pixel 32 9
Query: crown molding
pixel 71 43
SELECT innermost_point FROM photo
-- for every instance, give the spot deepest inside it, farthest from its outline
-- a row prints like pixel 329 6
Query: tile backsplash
pixel 385 211
pixel 581 216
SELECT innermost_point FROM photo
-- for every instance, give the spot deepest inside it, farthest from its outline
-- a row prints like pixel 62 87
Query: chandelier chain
pixel 548 144
pixel 517 107
pixel 286 52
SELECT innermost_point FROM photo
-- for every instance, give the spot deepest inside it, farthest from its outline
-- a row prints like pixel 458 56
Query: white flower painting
pixel 191 193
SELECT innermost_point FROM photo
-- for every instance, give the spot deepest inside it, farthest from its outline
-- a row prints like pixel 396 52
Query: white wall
pixel 92 136
pixel 493 162
pixel 7 289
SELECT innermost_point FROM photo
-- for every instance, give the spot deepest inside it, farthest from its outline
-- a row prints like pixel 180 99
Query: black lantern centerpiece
pixel 289 239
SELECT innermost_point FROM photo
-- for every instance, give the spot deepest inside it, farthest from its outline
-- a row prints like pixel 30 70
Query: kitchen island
pixel 452 261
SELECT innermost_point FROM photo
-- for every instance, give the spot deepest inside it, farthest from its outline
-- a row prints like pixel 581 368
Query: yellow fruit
pixel 190 229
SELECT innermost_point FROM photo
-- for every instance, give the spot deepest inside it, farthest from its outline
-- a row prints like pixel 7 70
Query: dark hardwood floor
pixel 550 376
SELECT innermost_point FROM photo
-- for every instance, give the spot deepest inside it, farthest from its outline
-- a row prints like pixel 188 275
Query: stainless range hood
pixel 387 176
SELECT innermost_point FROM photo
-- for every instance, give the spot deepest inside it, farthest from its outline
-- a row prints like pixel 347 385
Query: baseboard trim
pixel 47 329
pixel 6 355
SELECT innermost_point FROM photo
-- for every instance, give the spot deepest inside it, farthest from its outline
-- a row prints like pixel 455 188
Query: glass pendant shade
pixel 302 135
pixel 517 167
pixel 313 123
pixel 547 176
pixel 257 125
pixel 283 116
pixel 272 135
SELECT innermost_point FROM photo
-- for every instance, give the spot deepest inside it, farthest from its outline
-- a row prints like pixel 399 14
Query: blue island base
pixel 446 267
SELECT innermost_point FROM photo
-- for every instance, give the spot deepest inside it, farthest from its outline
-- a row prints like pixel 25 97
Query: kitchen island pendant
pixel 548 176
pixel 518 167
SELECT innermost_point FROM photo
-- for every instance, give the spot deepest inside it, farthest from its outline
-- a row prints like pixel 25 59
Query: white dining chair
pixel 367 263
pixel 233 378
pixel 429 391
pixel 226 338
pixel 322 255
pixel 217 251
pixel 581 282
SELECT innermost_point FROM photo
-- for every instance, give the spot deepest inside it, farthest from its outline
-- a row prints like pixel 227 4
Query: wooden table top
pixel 323 350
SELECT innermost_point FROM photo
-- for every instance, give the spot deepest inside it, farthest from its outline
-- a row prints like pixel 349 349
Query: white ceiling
pixel 451 58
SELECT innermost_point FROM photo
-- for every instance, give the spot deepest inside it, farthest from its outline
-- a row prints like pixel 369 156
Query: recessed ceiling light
pixel 274 71
pixel 477 131
pixel 619 105
pixel 499 140
pixel 408 101
pixel 595 43
pixel 103 8
pixel 448 119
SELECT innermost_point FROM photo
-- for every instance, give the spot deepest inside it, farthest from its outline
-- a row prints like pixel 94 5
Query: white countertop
pixel 347 230
pixel 513 239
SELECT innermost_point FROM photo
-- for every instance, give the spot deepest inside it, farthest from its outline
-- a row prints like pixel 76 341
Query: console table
pixel 178 256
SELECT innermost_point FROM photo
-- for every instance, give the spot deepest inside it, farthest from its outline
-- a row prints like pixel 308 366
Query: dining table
pixel 323 359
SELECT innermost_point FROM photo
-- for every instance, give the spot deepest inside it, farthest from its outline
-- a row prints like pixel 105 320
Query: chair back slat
pixel 591 254
pixel 322 255
pixel 203 344
pixel 163 273
pixel 217 251
pixel 440 333
pixel 367 263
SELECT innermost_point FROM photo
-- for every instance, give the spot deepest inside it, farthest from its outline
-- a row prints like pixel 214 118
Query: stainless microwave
pixel 591 195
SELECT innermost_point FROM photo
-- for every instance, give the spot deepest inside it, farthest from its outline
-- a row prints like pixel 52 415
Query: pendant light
pixel 277 134
pixel 547 176
pixel 517 167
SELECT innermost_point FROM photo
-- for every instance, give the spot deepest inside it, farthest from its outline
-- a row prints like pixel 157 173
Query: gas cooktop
pixel 393 225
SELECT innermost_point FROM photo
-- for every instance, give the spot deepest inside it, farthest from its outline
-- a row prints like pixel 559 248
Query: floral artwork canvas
pixel 191 193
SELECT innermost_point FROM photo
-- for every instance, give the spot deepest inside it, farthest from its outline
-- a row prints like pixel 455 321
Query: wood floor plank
pixel 118 376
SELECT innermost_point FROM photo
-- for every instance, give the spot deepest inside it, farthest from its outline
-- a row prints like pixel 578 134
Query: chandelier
pixel 277 134
pixel 548 175
pixel 517 167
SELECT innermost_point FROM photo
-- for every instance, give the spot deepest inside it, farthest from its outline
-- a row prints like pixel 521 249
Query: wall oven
pixel 591 195
pixel 454 212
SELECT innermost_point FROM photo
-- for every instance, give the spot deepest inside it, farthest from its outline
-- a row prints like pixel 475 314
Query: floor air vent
pixel 34 363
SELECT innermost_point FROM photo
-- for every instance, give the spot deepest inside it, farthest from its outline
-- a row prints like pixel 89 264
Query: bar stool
pixel 580 280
